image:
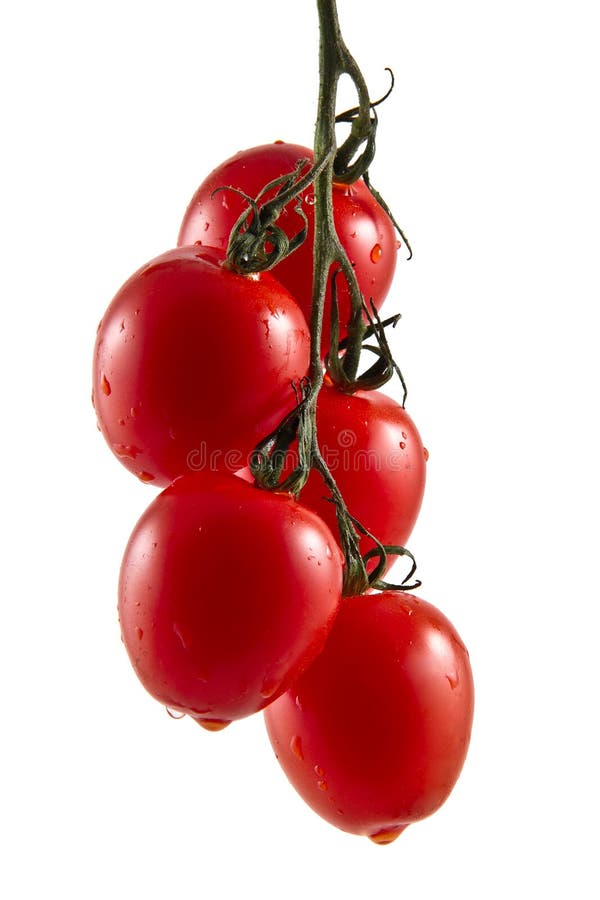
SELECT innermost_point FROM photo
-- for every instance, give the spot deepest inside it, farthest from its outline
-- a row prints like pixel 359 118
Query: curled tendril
pixel 363 130
pixel 382 370
pixel 350 114
pixel 383 551
pixel 256 242
pixel 268 458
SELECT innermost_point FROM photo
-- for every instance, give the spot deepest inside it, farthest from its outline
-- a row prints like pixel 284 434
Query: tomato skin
pixel 375 453
pixel 374 735
pixel 365 230
pixel 226 594
pixel 193 365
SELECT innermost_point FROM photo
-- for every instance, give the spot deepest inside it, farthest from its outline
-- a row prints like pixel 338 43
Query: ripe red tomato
pixel 376 455
pixel 226 594
pixel 374 735
pixel 364 228
pixel 193 365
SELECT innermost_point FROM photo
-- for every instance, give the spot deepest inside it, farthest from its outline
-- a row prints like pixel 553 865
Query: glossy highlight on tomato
pixel 226 594
pixel 194 364
pixel 374 735
pixel 364 228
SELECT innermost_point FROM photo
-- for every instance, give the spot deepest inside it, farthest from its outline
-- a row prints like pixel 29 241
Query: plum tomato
pixel 375 453
pixel 194 364
pixel 374 735
pixel 364 228
pixel 226 594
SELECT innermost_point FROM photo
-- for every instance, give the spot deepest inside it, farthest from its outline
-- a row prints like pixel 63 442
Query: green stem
pixel 334 60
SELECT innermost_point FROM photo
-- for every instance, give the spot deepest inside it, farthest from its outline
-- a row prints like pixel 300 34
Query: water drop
pixel 452 679
pixel 402 445
pixel 122 325
pixel 175 713
pixel 328 552
pixel 133 412
pixel 206 226
pixel 387 835
pixel 404 435
pixel 376 252
pixel 126 451
pixel 322 785
pixel 105 385
pixel 398 244
pixel 146 477
pixel 319 771
pixel 309 199
pixel 213 724
pixel 140 633
pixel 269 686
pixel 121 421
pixel 426 453
pixel 296 746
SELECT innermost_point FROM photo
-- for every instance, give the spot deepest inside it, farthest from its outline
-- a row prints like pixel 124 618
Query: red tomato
pixel 375 454
pixel 364 228
pixel 374 735
pixel 193 365
pixel 226 594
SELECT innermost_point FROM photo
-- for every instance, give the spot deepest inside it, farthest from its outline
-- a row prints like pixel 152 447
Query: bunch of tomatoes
pixel 231 596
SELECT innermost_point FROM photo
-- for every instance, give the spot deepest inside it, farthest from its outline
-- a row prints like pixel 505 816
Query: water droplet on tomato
pixel 387 835
pixel 402 445
pixel 146 477
pixel 322 785
pixel 126 451
pixel 426 453
pixel 121 421
pixel 139 633
pixel 296 746
pixel 404 435
pixel 133 412
pixel 376 252
pixel 309 199
pixel 269 687
pixel 213 724
pixel 452 679
pixel 175 713
pixel 122 325
pixel 328 552
pixel 398 244
pixel 353 234
pixel 319 771
pixel 105 385
pixel 298 703
pixel 206 226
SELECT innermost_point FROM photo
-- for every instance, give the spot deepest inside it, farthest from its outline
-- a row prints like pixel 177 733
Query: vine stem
pixel 334 60
pixel 345 163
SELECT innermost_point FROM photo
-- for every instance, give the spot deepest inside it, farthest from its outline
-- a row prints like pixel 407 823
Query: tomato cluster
pixel 231 596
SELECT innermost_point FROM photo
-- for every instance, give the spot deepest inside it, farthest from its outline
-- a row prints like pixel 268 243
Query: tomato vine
pixel 343 164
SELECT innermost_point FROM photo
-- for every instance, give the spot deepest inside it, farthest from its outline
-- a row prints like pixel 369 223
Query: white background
pixel 488 152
